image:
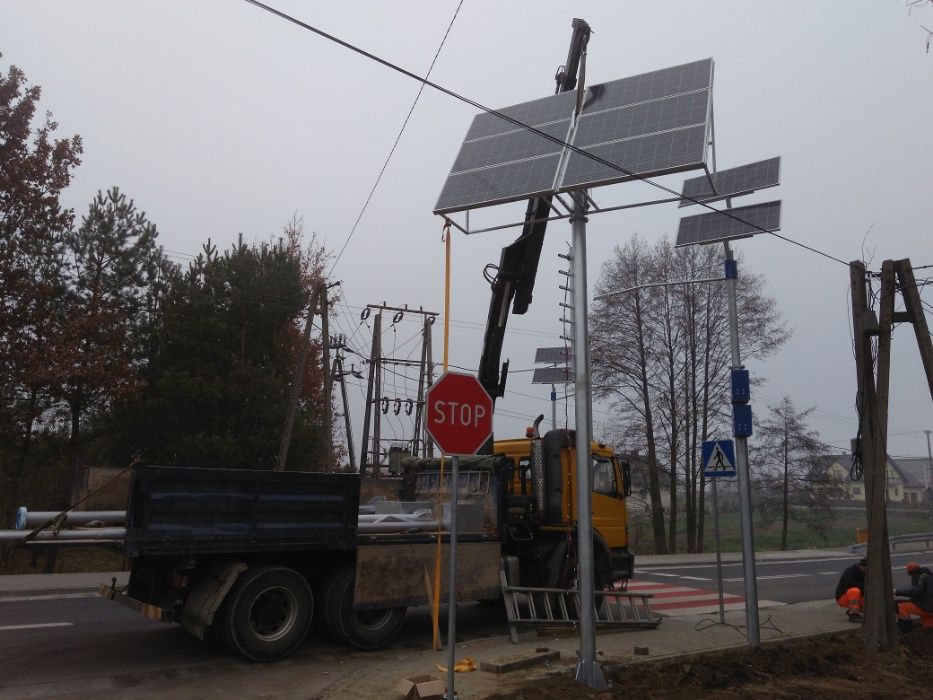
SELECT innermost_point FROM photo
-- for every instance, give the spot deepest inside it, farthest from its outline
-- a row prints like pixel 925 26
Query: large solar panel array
pixel 744 179
pixel 741 222
pixel 645 125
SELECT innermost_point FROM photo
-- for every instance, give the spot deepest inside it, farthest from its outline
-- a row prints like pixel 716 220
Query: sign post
pixel 718 459
pixel 459 420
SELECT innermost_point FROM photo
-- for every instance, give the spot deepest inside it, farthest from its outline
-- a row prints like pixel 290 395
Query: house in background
pixel 919 469
pixel 902 487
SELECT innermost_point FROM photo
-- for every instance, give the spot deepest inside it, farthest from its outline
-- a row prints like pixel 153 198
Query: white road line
pixel 827 573
pixel 696 578
pixel 654 568
pixel 767 578
pixel 10 628
pixel 50 596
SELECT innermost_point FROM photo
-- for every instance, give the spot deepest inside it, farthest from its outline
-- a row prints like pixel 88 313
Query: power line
pixel 395 145
pixel 527 127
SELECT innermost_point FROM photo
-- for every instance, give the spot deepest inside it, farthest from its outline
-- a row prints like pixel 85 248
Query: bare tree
pixel 788 475
pixel 622 338
pixel 662 356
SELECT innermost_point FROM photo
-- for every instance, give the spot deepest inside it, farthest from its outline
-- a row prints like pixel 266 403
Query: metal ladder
pixel 559 607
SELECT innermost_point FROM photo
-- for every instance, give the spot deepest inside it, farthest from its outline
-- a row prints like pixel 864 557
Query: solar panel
pixel 733 182
pixel 549 355
pixel 552 375
pixel 648 124
pixel 505 183
pixel 645 87
pixel 741 222
pixel 656 154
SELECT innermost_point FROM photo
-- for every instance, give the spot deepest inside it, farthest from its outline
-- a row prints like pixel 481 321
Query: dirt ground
pixel 828 667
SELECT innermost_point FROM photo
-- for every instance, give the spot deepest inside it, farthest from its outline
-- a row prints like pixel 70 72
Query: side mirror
pixel 626 479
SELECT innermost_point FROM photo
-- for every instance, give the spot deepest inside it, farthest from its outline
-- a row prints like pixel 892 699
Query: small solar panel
pixel 733 182
pixel 549 355
pixel 741 222
pixel 649 124
pixel 552 375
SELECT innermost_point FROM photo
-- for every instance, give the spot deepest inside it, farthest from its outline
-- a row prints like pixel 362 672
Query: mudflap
pixel 207 595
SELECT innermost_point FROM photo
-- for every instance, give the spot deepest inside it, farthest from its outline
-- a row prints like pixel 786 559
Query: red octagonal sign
pixel 459 414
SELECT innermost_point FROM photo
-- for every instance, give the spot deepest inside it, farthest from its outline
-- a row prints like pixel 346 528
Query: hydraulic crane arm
pixel 514 279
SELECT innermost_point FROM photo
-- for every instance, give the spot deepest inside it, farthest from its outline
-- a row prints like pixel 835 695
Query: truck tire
pixel 266 614
pixel 363 629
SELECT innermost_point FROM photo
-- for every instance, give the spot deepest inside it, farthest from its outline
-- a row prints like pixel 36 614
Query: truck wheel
pixel 363 629
pixel 267 613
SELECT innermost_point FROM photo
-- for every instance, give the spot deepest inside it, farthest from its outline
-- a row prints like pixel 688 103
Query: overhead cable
pixel 527 127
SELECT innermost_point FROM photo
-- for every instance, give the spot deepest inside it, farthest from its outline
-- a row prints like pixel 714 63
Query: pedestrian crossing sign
pixel 718 458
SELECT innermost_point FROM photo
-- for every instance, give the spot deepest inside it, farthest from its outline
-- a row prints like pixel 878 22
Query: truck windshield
pixel 604 477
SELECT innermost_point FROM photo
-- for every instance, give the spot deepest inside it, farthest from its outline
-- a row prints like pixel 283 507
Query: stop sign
pixel 459 414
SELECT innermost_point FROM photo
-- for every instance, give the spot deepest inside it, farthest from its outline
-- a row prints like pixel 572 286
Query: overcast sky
pixel 218 118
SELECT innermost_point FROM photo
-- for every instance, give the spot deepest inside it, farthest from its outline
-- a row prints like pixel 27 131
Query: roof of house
pixel 916 468
pixel 908 476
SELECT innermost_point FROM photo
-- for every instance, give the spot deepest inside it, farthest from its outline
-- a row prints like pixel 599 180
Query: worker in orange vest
pixel 920 594
pixel 850 591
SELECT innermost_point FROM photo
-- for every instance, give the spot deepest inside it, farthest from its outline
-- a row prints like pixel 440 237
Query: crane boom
pixel 514 279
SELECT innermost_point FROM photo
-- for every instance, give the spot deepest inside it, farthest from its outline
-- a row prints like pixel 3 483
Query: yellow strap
pixel 436 602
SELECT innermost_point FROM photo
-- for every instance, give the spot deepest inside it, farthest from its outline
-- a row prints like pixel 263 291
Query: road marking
pixel 696 578
pixel 826 573
pixel 50 596
pixel 766 578
pixel 654 568
pixel 10 628
pixel 672 600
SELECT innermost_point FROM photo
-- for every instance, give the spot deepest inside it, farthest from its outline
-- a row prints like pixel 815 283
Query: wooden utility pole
pixel 318 302
pixel 915 315
pixel 878 631
pixel 328 416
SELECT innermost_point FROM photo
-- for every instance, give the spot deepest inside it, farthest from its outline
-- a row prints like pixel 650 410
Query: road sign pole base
pixel 590 674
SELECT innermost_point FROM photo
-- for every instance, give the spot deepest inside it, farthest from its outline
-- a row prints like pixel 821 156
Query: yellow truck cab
pixel 545 472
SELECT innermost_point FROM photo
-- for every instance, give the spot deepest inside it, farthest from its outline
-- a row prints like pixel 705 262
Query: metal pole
pixel 554 411
pixel 741 467
pixel 722 609
pixel 452 581
pixel 588 670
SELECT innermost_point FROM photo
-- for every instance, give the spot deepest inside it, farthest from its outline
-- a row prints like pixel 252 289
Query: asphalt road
pixel 790 581
pixel 79 645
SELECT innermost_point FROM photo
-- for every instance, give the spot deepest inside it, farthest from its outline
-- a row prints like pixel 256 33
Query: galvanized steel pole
pixel 451 583
pixel 588 670
pixel 741 467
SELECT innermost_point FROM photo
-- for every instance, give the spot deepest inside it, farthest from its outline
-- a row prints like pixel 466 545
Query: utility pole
pixel 328 381
pixel 929 470
pixel 374 398
pixel 418 440
pixel 339 374
pixel 375 361
pixel 316 296
pixel 878 631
